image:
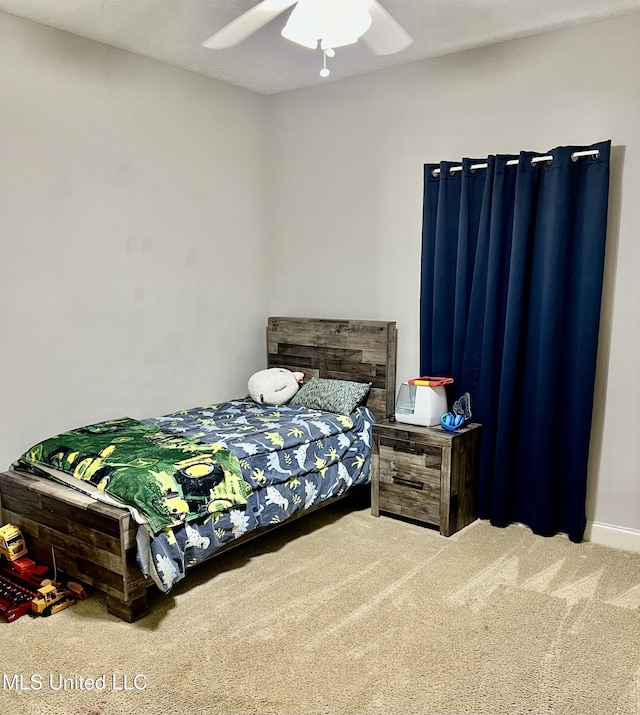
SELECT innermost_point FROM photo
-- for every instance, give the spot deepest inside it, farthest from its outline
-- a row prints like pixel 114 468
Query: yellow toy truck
pixel 12 544
pixel 53 597
pixel 13 556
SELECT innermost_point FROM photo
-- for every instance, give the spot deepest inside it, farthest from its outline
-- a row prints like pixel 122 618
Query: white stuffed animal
pixel 274 386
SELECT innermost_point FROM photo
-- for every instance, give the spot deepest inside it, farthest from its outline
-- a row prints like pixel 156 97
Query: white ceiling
pixel 171 31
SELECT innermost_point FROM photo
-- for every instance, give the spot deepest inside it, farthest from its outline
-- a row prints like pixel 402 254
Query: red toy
pixel 25 585
pixel 431 381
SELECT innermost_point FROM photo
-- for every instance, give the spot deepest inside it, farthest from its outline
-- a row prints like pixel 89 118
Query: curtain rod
pixel 514 162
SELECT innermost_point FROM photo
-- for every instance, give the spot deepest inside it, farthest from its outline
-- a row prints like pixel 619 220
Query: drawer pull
pixel 407 483
pixel 409 449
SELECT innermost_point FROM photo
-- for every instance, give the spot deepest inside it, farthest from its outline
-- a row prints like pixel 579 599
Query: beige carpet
pixel 344 613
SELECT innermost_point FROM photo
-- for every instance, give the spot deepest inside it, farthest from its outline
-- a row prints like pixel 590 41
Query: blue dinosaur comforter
pixel 292 458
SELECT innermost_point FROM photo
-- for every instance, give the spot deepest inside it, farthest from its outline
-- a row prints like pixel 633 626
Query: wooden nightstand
pixel 426 473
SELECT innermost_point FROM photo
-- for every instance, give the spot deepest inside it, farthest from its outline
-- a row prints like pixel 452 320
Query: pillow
pixel 341 396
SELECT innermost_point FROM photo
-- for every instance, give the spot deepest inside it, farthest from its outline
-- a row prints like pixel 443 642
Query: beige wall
pixel 134 273
pixel 346 192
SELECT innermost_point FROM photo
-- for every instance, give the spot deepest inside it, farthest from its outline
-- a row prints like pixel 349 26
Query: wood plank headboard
pixel 359 350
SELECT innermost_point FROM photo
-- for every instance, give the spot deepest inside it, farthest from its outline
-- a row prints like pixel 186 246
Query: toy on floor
pixel 53 597
pixel 24 584
pixel 274 386
pixel 13 549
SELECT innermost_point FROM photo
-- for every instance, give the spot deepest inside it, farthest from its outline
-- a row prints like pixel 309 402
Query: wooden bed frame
pixel 96 543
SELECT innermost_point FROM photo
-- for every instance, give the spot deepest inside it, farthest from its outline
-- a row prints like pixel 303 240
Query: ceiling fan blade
pixel 245 25
pixel 386 35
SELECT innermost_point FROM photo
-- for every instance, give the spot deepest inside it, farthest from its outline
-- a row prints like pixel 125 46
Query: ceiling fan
pixel 324 23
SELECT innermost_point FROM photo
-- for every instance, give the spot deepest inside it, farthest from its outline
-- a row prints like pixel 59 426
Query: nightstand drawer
pixel 432 455
pixel 409 462
pixel 420 504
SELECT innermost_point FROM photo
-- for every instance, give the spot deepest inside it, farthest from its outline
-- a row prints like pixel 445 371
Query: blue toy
pixel 452 421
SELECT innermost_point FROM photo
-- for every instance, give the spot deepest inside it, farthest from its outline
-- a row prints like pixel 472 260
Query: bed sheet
pixel 292 457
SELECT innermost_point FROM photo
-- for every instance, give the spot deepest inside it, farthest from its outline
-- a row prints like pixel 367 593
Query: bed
pixel 275 464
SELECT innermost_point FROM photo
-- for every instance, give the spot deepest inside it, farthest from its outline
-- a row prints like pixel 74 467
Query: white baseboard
pixel 616 537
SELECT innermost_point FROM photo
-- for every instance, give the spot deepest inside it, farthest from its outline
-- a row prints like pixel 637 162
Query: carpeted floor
pixel 342 613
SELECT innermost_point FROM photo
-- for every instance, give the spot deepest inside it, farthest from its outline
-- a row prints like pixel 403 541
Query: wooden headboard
pixel 359 350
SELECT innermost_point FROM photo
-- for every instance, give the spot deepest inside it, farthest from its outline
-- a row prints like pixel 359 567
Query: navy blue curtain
pixel 512 268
